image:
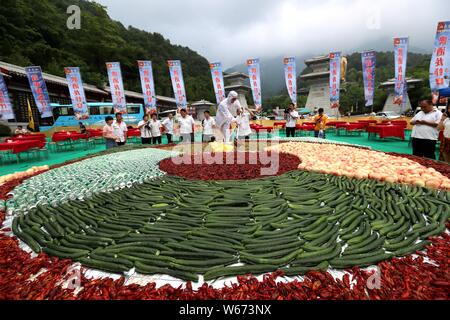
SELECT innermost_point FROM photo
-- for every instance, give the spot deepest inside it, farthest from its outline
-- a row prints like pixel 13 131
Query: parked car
pixel 389 115
pixel 440 108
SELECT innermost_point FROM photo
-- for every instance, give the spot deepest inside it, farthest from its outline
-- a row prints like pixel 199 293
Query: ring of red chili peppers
pixel 405 278
pixel 228 166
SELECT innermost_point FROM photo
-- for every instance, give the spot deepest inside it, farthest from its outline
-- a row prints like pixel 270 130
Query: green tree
pixel 35 33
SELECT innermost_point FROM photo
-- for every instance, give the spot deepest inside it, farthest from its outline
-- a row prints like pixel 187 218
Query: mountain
pixel 272 74
pixel 417 66
pixel 35 33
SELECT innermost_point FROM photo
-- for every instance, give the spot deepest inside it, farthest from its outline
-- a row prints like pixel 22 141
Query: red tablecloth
pixel 280 124
pixel 95 132
pixel 305 127
pixel 387 131
pixel 342 124
pixel 308 123
pixel 21 146
pixel 402 123
pixel 368 121
pixel 334 123
pixel 63 136
pixel 28 138
pixel 33 135
pixel 134 132
pixel 354 126
pixel 259 128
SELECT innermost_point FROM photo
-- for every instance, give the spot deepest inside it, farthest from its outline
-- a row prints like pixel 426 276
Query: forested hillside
pixel 35 33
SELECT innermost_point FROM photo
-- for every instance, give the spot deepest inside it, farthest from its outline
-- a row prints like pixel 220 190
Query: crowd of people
pixel 320 122
pixel 152 129
pixel 425 133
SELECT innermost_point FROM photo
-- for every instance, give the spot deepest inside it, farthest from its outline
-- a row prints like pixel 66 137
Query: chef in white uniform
pixel 225 114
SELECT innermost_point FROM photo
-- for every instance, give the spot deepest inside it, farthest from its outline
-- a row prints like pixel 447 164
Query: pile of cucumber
pixel 296 222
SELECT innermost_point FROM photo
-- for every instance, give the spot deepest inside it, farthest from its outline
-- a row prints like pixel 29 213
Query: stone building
pixel 238 82
pixel 389 87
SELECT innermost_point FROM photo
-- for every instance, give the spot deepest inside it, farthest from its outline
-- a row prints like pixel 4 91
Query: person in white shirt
pixel 146 134
pixel 291 121
pixel 168 127
pixel 224 116
pixel 20 130
pixel 208 124
pixel 187 126
pixel 445 143
pixel 155 126
pixel 425 131
pixel 243 124
pixel 120 130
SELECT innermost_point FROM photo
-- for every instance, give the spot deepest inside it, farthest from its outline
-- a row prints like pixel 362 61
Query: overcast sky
pixel 234 30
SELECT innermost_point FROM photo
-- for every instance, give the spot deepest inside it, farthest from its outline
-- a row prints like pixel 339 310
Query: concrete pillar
pixel 242 98
pixel 390 106
pixel 319 97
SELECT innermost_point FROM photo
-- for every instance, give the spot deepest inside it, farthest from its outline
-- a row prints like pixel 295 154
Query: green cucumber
pixel 261 250
pixel 297 271
pixel 313 236
pixel 220 272
pixel 33 244
pixel 280 261
pixel 405 243
pixel 114 260
pixel 402 230
pixel 436 232
pixel 66 254
pixel 361 230
pixel 318 256
pixel 411 249
pixel 371 246
pixel 103 265
pixel 342 263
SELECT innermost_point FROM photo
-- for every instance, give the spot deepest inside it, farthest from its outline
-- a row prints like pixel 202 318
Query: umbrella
pixel 444 93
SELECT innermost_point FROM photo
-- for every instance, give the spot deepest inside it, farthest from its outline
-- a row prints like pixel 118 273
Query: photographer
pixel 146 133
pixel 291 120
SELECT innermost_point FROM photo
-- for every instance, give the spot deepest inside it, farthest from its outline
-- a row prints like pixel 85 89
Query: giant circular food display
pixel 339 207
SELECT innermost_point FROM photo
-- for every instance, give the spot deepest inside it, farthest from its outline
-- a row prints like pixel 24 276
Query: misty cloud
pixel 233 30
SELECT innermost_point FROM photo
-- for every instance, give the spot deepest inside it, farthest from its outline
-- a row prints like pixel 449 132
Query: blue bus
pixel 98 111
